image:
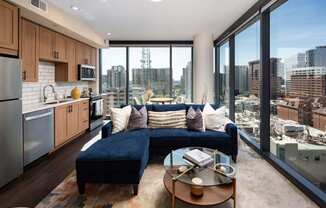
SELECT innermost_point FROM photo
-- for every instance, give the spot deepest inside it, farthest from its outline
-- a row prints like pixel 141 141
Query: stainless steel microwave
pixel 86 72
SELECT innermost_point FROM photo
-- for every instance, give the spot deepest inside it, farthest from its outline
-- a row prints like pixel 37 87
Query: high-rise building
pixel 156 78
pixel 186 80
pixel 241 79
pixel 307 81
pixel 296 61
pixel 146 58
pixel 116 77
pixel 316 57
pixel 254 75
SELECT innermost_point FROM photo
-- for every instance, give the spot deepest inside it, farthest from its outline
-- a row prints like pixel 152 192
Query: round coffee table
pixel 217 186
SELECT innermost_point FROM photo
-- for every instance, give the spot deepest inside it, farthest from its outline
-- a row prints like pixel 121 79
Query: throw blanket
pixel 167 119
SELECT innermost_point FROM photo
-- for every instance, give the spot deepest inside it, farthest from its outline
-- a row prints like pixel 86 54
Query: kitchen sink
pixel 57 101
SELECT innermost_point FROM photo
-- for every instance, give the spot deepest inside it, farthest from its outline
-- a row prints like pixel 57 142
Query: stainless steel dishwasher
pixel 38 134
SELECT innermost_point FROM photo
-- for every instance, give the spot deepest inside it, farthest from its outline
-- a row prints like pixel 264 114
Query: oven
pixel 96 111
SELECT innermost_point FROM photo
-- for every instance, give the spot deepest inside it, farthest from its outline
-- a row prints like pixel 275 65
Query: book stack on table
pixel 198 158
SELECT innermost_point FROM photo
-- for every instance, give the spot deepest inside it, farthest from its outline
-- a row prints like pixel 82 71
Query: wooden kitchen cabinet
pixel 80 55
pixel 83 120
pixel 84 54
pixel 71 58
pixel 29 50
pixel 60 125
pixel 93 57
pixel 67 72
pixel 9 29
pixel 47 38
pixel 60 47
pixel 52 45
pixel 72 120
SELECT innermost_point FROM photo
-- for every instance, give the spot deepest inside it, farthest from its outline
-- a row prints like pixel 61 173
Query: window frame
pixel 261 11
pixel 129 44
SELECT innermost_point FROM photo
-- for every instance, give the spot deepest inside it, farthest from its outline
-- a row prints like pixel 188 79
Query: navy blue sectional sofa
pixel 121 158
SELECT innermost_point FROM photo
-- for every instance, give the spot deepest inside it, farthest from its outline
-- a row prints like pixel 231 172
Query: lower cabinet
pixel 83 109
pixel 60 123
pixel 70 120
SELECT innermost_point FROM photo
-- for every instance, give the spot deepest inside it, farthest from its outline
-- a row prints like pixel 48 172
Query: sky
pixel 159 55
pixel 296 26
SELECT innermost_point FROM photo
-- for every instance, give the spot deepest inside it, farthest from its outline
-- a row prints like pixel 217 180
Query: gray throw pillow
pixel 195 120
pixel 137 119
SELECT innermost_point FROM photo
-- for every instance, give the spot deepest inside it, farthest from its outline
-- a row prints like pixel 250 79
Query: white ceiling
pixel 166 20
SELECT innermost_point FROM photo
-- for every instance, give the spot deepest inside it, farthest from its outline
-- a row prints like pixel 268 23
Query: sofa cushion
pixel 195 120
pixel 125 151
pixel 167 119
pixel 169 107
pixel 211 139
pixel 169 137
pixel 137 119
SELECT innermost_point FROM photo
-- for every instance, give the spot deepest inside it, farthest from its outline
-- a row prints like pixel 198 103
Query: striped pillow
pixel 167 119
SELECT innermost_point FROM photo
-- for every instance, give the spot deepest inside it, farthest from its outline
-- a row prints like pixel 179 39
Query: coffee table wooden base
pixel 213 195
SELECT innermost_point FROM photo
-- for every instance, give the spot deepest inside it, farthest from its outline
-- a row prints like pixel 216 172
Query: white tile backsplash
pixel 33 91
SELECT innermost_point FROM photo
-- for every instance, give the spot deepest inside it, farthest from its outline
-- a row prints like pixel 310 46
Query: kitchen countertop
pixel 41 106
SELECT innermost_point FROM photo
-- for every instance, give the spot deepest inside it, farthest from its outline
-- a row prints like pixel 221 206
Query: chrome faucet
pixel 53 91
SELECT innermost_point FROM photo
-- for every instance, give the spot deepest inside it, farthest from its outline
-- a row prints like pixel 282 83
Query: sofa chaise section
pixel 118 159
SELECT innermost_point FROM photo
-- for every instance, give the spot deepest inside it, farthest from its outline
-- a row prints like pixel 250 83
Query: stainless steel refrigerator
pixel 11 141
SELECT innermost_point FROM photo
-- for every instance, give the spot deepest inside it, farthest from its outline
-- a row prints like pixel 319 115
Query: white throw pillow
pixel 215 119
pixel 120 118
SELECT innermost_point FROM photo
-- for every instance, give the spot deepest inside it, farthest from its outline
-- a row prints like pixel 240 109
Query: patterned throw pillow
pixel 195 120
pixel 137 119
pixel 167 119
pixel 120 118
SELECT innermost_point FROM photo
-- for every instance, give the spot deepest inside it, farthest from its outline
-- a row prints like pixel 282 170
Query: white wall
pixel 32 92
pixel 203 72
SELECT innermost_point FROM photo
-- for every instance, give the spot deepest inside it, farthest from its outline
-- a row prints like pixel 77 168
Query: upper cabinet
pixel 29 50
pixel 71 57
pixel 94 57
pixel 52 45
pixel 8 29
pixel 85 54
pixel 60 46
pixel 47 38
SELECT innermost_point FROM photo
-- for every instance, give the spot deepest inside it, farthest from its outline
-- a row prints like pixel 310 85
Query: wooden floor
pixel 43 176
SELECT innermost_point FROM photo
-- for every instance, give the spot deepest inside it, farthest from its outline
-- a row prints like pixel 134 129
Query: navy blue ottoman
pixel 118 159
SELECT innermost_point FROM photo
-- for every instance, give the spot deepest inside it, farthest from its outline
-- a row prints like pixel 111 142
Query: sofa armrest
pixel 232 130
pixel 107 129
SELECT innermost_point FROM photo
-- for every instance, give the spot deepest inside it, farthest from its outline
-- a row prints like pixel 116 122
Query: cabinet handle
pixel 24 75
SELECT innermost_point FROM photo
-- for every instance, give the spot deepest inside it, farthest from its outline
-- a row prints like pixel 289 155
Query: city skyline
pixel 160 58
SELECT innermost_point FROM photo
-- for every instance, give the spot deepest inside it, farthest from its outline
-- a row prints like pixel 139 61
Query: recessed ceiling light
pixel 74 8
pixel 108 34
pixel 156 0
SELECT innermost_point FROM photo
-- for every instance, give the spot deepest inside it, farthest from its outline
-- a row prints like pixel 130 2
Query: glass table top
pixel 185 171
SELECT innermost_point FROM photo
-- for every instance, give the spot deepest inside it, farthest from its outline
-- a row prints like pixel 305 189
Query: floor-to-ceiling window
pixel 153 71
pixel 247 80
pixel 113 77
pixel 224 72
pixel 298 84
pixel 149 73
pixel 182 74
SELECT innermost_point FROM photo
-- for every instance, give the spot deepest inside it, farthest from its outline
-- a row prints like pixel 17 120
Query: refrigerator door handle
pixel 38 116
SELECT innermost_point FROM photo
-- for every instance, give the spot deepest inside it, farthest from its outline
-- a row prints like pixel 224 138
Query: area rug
pixel 258 185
